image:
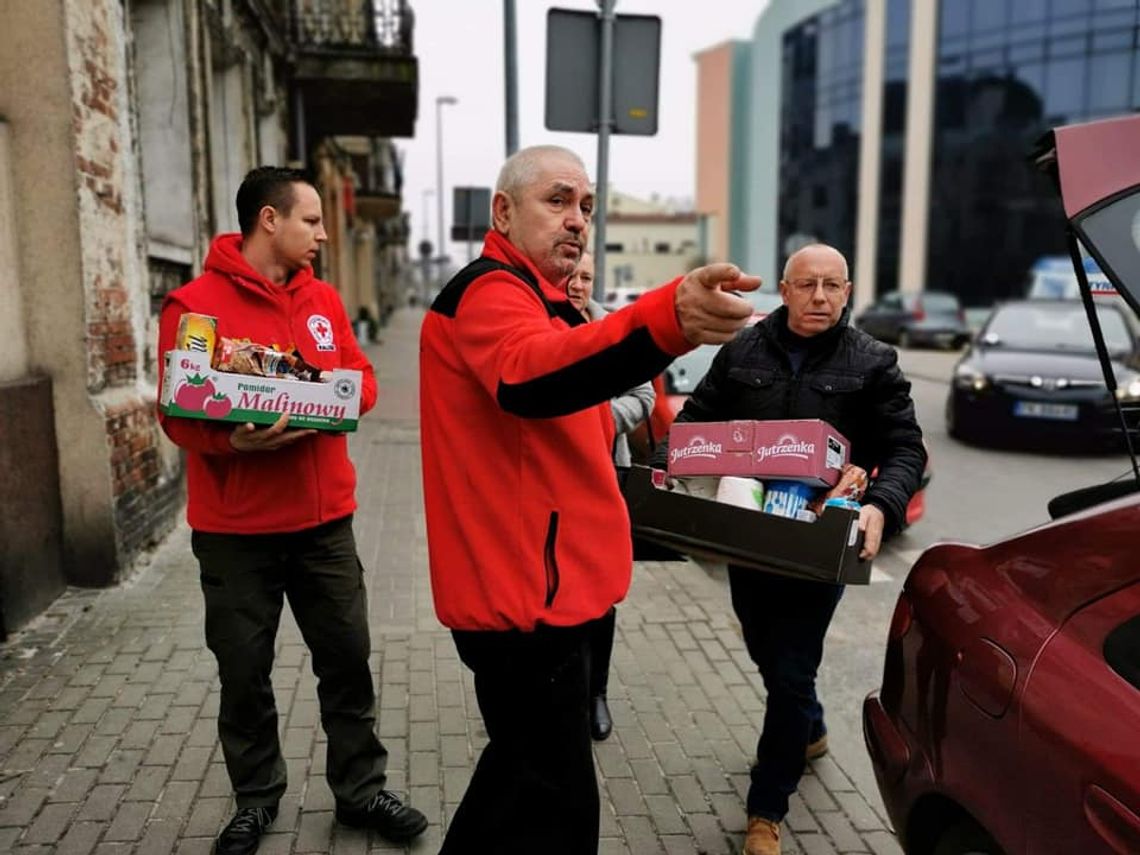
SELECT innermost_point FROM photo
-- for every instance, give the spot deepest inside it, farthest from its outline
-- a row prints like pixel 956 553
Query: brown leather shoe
pixel 763 837
pixel 816 749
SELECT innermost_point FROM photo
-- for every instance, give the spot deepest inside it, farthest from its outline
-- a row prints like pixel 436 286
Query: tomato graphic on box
pixel 218 407
pixel 193 393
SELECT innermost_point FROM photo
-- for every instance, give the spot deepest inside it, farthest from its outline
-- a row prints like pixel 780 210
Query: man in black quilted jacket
pixel 804 361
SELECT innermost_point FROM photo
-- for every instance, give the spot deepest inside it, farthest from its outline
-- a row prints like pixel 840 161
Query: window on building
pixel 662 248
pixel 988 15
pixel 955 19
pixel 1024 11
pixel 1136 85
pixel 615 247
pixel 1109 81
pixel 1065 88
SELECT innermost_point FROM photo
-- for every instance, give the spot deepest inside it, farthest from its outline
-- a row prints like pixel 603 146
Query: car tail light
pixel 902 618
pixel 919 312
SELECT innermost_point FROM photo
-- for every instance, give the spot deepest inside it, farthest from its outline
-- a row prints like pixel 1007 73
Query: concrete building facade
pixel 723 87
pixel 125 128
pixel 648 242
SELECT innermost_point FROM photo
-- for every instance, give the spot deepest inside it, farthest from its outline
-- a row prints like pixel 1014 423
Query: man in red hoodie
pixel 271 513
pixel 528 535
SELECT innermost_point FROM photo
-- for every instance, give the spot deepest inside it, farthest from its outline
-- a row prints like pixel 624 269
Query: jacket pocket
pixel 755 378
pixel 835 384
pixel 836 399
pixel 550 559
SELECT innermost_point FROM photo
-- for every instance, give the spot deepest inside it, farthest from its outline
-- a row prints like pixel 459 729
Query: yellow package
pixel 198 333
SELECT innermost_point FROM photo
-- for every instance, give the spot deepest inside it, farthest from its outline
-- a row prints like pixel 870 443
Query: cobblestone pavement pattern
pixel 108 702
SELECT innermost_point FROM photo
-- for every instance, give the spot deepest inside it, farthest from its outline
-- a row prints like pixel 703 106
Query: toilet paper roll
pixel 742 492
pixel 702 486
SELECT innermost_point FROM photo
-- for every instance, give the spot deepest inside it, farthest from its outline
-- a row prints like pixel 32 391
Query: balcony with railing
pixel 377 177
pixel 355 71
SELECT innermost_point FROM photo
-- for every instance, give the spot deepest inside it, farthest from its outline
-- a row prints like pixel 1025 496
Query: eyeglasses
pixel 831 287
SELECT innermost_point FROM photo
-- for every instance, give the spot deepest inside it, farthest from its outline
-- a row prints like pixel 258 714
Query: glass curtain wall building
pixel 998 73
pixel 1007 70
pixel 820 117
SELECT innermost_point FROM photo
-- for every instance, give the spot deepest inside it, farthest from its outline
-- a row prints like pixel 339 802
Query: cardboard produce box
pixel 808 450
pixel 826 550
pixel 191 389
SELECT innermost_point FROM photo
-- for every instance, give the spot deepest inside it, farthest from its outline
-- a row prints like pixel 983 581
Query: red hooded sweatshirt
pixel 298 486
pixel 525 521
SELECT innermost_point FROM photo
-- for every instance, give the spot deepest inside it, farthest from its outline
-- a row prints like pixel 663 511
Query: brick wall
pixel 145 489
pixel 146 502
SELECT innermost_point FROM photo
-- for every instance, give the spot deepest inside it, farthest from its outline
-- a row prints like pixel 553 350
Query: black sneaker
pixel 243 834
pixel 388 815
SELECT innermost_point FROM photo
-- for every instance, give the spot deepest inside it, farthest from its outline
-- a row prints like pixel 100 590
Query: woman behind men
pixel 629 410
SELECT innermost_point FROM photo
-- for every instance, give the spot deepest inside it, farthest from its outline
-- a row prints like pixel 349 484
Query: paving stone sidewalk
pixel 108 702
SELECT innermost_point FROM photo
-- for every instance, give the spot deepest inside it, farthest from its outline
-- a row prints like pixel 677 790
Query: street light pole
pixel 510 73
pixel 427 220
pixel 439 102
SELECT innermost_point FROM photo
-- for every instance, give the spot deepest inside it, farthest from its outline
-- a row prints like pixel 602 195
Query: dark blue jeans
pixel 784 622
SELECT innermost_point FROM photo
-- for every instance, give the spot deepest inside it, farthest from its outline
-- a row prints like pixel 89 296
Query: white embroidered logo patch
pixel 322 332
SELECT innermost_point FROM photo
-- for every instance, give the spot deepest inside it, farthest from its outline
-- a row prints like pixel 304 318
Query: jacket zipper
pixel 550 559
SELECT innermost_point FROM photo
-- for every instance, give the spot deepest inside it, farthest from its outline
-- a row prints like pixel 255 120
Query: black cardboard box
pixel 826 550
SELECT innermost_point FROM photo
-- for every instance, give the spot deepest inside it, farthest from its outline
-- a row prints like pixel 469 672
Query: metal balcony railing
pixel 383 26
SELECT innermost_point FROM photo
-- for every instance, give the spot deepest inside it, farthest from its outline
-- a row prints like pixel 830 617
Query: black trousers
pixel 784 622
pixel 245 579
pixel 534 788
pixel 601 649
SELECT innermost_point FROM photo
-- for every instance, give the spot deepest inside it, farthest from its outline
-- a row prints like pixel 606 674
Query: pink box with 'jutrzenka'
pixel 808 450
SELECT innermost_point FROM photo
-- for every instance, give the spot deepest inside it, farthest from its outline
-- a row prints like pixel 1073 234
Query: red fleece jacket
pixel 525 521
pixel 299 486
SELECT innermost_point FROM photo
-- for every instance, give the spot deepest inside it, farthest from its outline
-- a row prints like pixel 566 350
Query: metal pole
pixel 470 228
pixel 1101 347
pixel 439 175
pixel 511 74
pixel 605 109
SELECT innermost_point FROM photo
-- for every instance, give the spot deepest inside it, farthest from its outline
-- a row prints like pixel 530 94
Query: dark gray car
pixel 928 318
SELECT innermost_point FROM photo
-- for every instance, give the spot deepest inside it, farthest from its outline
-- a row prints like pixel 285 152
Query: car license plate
pixel 1039 410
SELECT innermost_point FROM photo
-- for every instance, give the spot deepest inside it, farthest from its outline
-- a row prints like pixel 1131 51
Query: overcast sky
pixel 459 44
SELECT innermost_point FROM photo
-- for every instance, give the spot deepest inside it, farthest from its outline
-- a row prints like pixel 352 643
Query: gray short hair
pixel 522 167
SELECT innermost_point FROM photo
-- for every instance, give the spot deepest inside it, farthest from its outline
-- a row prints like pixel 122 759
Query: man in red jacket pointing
pixel 528 536
pixel 271 513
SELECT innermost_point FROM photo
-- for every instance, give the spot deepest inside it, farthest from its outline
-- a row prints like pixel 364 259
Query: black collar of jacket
pixel 775 326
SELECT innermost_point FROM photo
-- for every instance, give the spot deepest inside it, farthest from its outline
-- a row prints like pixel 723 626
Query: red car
pixel 1009 715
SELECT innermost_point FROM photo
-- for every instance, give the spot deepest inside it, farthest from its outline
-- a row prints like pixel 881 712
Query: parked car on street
pixel 924 319
pixel 1033 372
pixel 617 298
pixel 686 371
pixel 1009 710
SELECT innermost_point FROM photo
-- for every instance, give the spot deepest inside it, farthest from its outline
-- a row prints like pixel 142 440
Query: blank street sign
pixel 573 47
pixel 471 213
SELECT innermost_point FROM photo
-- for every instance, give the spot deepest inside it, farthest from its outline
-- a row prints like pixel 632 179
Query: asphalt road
pixel 977 495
